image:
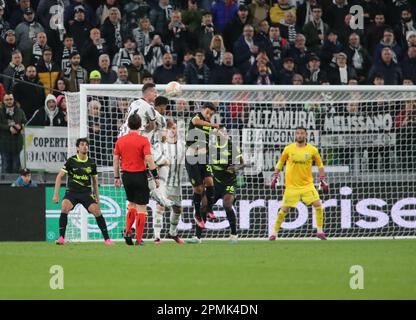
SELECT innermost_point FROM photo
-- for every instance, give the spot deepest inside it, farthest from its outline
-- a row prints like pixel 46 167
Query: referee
pixel 133 150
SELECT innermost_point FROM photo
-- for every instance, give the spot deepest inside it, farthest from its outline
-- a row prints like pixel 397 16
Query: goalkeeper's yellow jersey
pixel 299 165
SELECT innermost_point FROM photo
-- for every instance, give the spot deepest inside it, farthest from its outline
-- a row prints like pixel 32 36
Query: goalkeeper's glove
pixel 323 184
pixel 275 180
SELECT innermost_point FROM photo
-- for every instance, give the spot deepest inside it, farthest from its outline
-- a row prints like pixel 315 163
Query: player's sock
pixel 210 192
pixel 103 226
pixel 131 216
pixel 280 217
pixel 319 218
pixel 196 199
pixel 157 222
pixel 231 220
pixel 174 221
pixel 63 221
pixel 198 230
pixel 140 223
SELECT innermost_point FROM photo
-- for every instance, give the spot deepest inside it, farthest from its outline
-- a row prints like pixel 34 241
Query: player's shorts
pixel 222 189
pixel 136 187
pixel 174 195
pixel 292 196
pixel 198 172
pixel 84 198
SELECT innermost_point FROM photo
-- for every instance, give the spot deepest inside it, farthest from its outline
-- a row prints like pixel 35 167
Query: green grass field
pixel 212 270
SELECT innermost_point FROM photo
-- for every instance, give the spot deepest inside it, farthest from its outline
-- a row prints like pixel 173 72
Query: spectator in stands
pixel 406 25
pixel 167 72
pixel 223 73
pixel 391 72
pixel 371 9
pixel 15 70
pixel 4 25
pixel 297 79
pixel 286 74
pixel 7 46
pixel 408 65
pixel 206 31
pixel 215 52
pixel 98 134
pixel 2 92
pixel 223 12
pixel 316 30
pixel 246 48
pixel 12 120
pixel 336 13
pixel 237 79
pixel 136 69
pixel 388 41
pixel 142 34
pixel 378 79
pixel 358 57
pixel 288 28
pixel 278 10
pixel 375 32
pixel 197 72
pixel 92 50
pixel 48 71
pixel 108 75
pixel 26 32
pixel 304 12
pixel 342 72
pixel 331 47
pixel 69 47
pixel 147 77
pixel 16 15
pixel 79 28
pixel 276 46
pixel 177 37
pixel 61 85
pixel 408 82
pixel 122 76
pixel 262 31
pixel 411 39
pixel 160 16
pixel 154 53
pixel 25 179
pixel 125 55
pixel 314 75
pixel 233 30
pixel 259 10
pixel 70 12
pixel 76 74
pixel 300 53
pixel 95 77
pixel 61 103
pixel 103 11
pixel 260 74
pixel 48 115
pixel 111 32
pixel 192 19
pixel 38 47
pixel 29 94
pixel 405 123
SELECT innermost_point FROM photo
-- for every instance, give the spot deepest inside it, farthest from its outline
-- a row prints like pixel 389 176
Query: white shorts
pixel 174 194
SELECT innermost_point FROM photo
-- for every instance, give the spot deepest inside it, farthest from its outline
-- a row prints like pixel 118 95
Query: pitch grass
pixel 212 270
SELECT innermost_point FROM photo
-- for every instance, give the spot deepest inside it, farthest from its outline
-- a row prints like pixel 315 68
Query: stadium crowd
pixel 48 47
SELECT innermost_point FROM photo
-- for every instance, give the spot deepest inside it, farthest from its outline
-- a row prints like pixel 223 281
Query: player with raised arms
pixel 133 150
pixel 298 158
pixel 196 159
pixel 226 159
pixel 82 175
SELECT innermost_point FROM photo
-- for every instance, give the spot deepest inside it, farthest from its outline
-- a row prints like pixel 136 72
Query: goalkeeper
pixel 226 160
pixel 299 185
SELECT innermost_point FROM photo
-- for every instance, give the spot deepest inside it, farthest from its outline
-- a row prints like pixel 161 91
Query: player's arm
pixel 239 157
pixel 95 188
pixel 151 125
pixel 199 122
pixel 58 182
pixel 321 171
pixel 153 168
pixel 116 166
pixel 279 167
pixel 151 120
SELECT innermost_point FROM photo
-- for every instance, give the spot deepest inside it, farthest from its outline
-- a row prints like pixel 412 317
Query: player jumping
pixel 226 159
pixel 299 185
pixel 81 170
pixel 197 162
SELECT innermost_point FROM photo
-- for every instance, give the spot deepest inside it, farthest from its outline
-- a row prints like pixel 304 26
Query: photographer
pixel 12 119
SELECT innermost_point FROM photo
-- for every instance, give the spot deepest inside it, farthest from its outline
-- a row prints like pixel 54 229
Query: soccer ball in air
pixel 173 89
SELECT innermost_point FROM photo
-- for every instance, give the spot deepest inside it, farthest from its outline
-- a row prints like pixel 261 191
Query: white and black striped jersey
pixel 155 136
pixel 144 109
pixel 176 155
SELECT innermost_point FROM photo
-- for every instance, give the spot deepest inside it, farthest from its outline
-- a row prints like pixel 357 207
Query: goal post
pixel 366 136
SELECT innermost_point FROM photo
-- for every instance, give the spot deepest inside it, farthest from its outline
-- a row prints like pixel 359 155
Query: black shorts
pixel 84 198
pixel 222 189
pixel 136 187
pixel 198 172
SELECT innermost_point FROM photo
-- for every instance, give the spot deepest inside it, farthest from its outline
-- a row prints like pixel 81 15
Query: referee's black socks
pixel 103 226
pixel 210 192
pixel 63 221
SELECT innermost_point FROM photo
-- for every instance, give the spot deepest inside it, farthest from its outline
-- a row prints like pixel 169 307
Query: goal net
pixel 366 136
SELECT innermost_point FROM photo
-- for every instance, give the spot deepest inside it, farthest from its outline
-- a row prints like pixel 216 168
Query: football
pixel 173 89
